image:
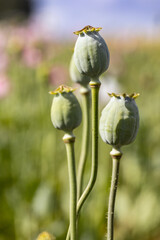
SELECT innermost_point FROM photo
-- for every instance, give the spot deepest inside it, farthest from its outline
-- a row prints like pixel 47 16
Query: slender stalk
pixel 69 142
pixel 116 156
pixel 94 85
pixel 85 92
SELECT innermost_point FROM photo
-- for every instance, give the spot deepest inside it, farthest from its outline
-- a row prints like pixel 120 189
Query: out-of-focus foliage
pixel 15 9
pixel 33 175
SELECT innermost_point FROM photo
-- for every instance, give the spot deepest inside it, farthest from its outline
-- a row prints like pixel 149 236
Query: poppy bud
pixel 65 111
pixel 119 121
pixel 91 54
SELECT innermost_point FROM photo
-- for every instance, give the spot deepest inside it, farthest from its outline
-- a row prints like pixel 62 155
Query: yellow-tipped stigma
pixel 62 89
pixel 88 28
pixel 113 95
pixel 133 95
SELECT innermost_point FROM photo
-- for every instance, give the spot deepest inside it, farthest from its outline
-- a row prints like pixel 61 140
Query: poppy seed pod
pixel 119 121
pixel 66 112
pixel 76 76
pixel 45 236
pixel 91 54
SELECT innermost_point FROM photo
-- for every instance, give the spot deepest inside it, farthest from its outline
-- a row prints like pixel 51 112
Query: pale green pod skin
pixel 76 76
pixel 66 112
pixel 91 54
pixel 119 121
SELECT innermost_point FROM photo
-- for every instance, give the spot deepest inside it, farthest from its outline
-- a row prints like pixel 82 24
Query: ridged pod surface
pixel 119 120
pixel 91 54
pixel 66 112
pixel 76 76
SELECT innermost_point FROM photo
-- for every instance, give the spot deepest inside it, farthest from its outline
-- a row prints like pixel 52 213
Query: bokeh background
pixel 36 45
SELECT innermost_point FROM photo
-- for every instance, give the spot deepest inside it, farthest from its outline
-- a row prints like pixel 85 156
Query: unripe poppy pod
pixel 76 76
pixel 91 54
pixel 119 120
pixel 66 112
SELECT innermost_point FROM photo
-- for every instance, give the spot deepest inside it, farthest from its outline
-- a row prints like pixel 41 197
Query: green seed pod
pixel 45 236
pixel 119 121
pixel 66 112
pixel 91 54
pixel 76 76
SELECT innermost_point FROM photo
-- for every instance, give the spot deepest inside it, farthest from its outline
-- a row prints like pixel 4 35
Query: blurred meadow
pixel 34 187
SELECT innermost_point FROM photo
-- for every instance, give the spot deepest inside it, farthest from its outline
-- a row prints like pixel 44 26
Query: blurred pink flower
pixel 29 34
pixel 32 57
pixel 3 61
pixel 58 75
pixel 2 41
pixel 4 86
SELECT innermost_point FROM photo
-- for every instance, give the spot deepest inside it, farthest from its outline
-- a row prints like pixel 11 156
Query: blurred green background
pixel 33 175
pixel 33 167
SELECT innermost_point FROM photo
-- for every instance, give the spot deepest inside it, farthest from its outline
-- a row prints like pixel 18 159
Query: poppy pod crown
pixel 119 120
pixel 65 111
pixel 91 54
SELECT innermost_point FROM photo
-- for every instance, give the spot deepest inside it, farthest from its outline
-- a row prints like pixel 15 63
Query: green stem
pixel 69 140
pixel 95 85
pixel 116 156
pixel 85 92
